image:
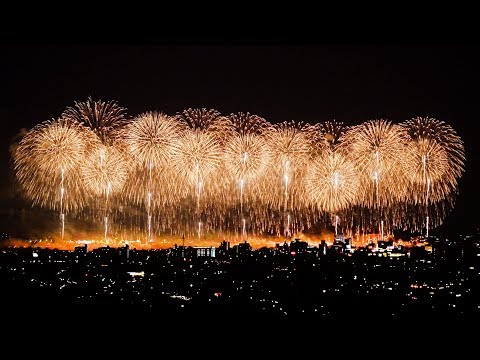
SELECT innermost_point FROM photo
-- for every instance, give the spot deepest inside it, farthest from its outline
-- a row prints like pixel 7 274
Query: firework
pixel 329 134
pixel 104 118
pixel 104 170
pixel 199 171
pixel 197 159
pixel 204 120
pixel 246 157
pixel 200 147
pixel 150 139
pixel 376 147
pixel 246 123
pixel 435 158
pixel 332 182
pixel 47 163
pixel 48 160
pixel 246 160
pixel 291 145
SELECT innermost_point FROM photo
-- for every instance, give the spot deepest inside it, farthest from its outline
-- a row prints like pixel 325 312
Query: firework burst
pixel 197 158
pixel 104 118
pixel 332 182
pixel 151 139
pixel 329 134
pixel 205 120
pixel 104 170
pixel 246 157
pixel 199 171
pixel 435 158
pixel 291 145
pixel 246 123
pixel 47 163
pixel 376 147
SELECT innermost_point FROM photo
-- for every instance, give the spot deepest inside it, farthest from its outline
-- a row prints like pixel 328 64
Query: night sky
pixel 312 84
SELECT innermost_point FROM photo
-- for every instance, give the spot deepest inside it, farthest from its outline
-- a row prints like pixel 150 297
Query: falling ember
pixel 382 229
pixel 288 225
pixel 241 195
pixel 149 228
pixel 106 228
pixel 62 215
pixel 336 224
pixel 62 230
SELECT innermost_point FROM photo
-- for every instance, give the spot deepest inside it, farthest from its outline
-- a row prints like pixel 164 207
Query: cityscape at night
pixel 291 280
pixel 309 183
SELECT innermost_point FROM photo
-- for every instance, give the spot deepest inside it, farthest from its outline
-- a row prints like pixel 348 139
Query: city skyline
pixel 387 281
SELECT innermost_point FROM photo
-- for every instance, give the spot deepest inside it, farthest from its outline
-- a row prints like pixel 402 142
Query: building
pixel 323 247
pixel 297 247
pixel 80 250
pixel 242 248
pixel 201 251
pixel 224 248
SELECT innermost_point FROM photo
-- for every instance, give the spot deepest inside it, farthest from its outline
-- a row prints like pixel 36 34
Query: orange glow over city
pixel 93 242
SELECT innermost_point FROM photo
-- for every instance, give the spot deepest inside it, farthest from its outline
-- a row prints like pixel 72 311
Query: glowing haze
pixel 200 173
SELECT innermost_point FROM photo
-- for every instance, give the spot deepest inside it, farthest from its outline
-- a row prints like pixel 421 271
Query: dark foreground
pixel 241 285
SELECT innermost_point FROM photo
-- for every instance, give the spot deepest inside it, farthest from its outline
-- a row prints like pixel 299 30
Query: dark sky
pixel 350 84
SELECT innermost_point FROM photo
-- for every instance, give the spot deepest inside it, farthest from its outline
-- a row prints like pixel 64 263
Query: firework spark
pixel 291 148
pixel 332 182
pixel 376 148
pixel 47 161
pixel 435 158
pixel 104 170
pixel 151 139
pixel 329 133
pixel 197 159
pixel 203 120
pixel 246 123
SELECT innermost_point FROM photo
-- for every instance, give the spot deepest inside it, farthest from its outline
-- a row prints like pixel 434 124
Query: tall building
pixel 80 250
pixel 297 247
pixel 224 248
pixel 203 251
pixel 242 248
